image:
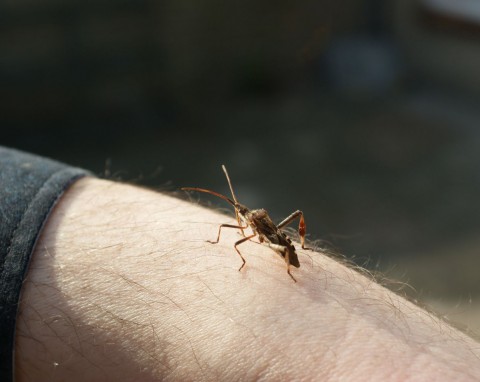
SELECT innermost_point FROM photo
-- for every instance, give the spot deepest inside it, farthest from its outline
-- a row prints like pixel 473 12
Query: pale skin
pixel 124 287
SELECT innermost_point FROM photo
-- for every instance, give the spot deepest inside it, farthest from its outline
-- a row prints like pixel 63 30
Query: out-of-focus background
pixel 363 113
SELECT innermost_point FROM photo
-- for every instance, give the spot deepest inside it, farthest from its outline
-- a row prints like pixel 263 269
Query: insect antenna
pixel 234 197
pixel 229 183
pixel 209 192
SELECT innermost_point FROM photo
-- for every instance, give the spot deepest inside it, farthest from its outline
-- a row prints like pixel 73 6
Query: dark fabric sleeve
pixel 29 188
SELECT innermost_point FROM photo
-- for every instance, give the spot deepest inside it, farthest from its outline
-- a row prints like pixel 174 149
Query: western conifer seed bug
pixel 261 226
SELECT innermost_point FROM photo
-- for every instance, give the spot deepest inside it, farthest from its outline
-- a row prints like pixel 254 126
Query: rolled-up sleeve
pixel 30 186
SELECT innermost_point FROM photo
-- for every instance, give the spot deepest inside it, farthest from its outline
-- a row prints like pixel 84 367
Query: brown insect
pixel 261 226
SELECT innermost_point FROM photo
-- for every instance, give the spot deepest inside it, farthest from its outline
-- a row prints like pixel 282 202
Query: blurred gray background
pixel 363 113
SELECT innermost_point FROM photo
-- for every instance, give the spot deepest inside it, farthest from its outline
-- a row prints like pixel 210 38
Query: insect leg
pixel 239 222
pixel 287 259
pixel 226 226
pixel 286 255
pixel 302 228
pixel 236 249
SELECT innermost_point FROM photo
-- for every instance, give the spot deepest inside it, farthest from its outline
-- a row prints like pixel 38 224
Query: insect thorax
pixel 241 209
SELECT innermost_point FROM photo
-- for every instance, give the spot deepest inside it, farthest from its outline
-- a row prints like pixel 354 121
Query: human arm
pixel 123 286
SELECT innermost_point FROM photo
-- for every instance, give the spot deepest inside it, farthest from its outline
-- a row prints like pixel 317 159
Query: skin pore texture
pixel 124 287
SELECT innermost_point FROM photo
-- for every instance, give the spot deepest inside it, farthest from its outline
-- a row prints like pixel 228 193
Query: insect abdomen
pixel 292 253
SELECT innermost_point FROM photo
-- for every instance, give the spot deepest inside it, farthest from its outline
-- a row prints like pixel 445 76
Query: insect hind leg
pixel 302 227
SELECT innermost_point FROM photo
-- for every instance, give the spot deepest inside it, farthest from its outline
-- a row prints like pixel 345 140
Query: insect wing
pixel 269 230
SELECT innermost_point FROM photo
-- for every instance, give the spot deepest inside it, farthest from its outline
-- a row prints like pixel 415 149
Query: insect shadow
pixel 262 226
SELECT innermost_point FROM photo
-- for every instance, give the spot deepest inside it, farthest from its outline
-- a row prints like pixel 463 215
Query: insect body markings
pixel 262 226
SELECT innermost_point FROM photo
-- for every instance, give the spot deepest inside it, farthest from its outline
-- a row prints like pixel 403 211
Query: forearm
pixel 123 286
